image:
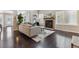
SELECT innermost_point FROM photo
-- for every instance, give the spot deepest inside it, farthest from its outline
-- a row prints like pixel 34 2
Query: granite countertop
pixel 72 32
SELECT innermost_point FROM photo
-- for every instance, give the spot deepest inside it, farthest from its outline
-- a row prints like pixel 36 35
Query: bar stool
pixel 75 42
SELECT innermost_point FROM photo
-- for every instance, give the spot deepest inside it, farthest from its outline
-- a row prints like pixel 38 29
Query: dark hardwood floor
pixel 10 39
pixel 23 41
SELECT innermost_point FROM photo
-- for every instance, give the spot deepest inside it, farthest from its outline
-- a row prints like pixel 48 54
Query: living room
pixel 39 28
pixel 35 25
pixel 52 25
pixel 32 25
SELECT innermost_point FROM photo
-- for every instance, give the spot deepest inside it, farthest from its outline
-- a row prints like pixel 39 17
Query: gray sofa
pixel 29 30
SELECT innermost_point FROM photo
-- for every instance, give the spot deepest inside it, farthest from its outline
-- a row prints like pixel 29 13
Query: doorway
pixel 6 20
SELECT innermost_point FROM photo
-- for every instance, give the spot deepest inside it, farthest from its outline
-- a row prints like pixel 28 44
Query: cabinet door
pixel 68 39
pixel 63 40
pixel 60 17
pixel 60 41
pixel 67 42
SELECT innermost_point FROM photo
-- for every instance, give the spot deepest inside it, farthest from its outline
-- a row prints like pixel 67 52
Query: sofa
pixel 29 30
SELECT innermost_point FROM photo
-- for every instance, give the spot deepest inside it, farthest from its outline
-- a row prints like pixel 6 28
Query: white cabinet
pixel 60 41
pixel 67 42
pixel 63 41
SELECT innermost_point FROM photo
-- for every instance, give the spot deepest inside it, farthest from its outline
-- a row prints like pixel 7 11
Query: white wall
pixel 28 14
pixel 32 12
pixel 47 12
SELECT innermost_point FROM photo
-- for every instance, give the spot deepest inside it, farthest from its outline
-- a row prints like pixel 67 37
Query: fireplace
pixel 49 23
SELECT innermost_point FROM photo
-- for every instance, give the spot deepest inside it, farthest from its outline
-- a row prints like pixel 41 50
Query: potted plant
pixel 20 20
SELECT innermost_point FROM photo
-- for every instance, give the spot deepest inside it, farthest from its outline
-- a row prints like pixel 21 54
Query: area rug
pixel 43 35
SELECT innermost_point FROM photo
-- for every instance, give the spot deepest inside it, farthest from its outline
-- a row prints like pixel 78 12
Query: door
pixel 8 20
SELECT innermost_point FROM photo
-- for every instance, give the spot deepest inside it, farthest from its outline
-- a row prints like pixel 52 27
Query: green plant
pixel 20 19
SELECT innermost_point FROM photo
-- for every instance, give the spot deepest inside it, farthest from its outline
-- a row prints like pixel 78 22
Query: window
pixel 66 17
pixel 25 15
pixel 41 19
pixel 72 17
pixel 6 18
pixel 1 19
pixel 9 20
pixel 60 17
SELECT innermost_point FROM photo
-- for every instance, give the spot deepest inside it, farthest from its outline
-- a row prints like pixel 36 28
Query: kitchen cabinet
pixel 67 41
pixel 60 41
pixel 63 41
